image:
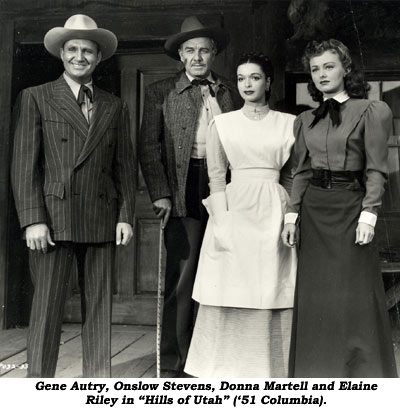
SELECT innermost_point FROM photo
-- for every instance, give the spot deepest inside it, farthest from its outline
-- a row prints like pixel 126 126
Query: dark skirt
pixel 340 323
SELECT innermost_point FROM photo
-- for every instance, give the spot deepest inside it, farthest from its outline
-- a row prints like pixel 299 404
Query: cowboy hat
pixel 80 26
pixel 190 29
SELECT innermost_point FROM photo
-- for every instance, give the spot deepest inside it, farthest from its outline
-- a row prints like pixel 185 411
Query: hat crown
pixel 192 28
pixel 190 24
pixel 80 26
pixel 80 22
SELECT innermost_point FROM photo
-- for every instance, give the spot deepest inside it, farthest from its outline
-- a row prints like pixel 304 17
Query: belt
pixel 327 179
pixel 271 175
pixel 198 162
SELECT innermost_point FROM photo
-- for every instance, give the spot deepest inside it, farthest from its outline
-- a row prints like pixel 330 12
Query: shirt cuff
pixel 291 218
pixel 368 218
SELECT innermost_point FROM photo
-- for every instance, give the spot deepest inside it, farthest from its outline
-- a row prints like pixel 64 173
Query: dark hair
pixel 265 64
pixel 354 82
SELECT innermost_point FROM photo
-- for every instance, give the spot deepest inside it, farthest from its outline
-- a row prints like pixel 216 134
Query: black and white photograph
pixel 200 192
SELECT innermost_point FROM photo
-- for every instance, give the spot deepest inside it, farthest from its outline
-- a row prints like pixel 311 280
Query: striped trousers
pixel 51 274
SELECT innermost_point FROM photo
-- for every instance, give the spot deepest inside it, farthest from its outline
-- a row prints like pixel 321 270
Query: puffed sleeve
pixel 303 172
pixel 217 162
pixel 378 127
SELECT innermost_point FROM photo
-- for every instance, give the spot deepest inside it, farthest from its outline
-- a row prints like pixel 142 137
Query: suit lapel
pixel 103 112
pixel 223 96
pixel 64 102
pixel 187 95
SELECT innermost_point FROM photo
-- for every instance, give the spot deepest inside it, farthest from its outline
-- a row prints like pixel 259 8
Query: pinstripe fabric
pixel 77 179
pixel 97 262
pixel 50 276
pixel 170 116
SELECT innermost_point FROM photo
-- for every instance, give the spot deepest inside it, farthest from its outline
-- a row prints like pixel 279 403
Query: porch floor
pixel 133 352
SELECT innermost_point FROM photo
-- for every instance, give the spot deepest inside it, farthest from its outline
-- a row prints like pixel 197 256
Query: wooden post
pixel 6 58
pixel 270 33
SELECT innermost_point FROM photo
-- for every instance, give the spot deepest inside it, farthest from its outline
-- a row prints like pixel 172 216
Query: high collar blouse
pixel 358 143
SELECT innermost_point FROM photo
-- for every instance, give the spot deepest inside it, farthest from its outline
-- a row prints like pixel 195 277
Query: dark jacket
pixel 77 179
pixel 171 112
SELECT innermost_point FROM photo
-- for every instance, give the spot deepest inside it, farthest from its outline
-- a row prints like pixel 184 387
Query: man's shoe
pixel 169 373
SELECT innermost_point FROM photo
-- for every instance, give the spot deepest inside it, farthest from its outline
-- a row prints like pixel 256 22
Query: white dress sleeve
pixel 217 165
pixel 217 161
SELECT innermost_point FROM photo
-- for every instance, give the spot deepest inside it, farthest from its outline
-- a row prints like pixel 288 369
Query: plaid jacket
pixel 171 112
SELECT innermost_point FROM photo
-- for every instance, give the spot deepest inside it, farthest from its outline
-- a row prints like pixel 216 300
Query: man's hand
pixel 162 208
pixel 289 234
pixel 38 237
pixel 124 234
pixel 364 234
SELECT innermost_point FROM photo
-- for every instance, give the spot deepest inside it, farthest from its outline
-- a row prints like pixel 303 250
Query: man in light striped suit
pixel 73 183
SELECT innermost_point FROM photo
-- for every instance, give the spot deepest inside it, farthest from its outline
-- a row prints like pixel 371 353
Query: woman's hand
pixel 364 234
pixel 289 234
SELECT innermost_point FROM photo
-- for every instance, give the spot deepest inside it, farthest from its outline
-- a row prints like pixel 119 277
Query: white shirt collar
pixel 341 97
pixel 209 77
pixel 75 86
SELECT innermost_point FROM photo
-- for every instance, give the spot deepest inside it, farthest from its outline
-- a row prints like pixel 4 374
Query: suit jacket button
pixel 101 195
pixel 183 127
pixel 104 169
pixel 64 139
pixel 178 166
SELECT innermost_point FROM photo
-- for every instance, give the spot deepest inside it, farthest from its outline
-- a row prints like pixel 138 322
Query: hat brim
pixel 56 37
pixel 219 35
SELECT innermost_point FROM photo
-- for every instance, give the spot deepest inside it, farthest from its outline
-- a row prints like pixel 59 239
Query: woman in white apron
pixel 246 276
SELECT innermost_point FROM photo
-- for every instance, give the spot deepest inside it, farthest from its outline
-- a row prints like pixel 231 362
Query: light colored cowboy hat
pixel 80 26
pixel 190 29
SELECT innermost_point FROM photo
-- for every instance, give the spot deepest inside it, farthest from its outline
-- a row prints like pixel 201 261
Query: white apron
pixel 243 262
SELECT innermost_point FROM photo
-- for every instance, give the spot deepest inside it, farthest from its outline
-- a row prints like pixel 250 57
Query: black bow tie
pixel 330 106
pixel 81 96
pixel 204 82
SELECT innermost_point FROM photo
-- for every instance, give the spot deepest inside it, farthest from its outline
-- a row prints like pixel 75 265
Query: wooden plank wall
pixel 6 58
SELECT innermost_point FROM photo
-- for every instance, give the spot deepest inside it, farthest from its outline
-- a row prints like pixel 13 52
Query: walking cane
pixel 159 298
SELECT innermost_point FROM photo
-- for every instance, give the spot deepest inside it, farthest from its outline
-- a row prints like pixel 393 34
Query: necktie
pixel 84 91
pixel 205 82
pixel 81 96
pixel 330 106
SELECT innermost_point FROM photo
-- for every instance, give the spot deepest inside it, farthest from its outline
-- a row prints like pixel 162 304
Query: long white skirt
pixel 240 343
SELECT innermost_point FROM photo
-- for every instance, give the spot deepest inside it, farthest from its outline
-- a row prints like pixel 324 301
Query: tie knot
pixel 204 82
pixel 330 106
pixel 81 95
pixel 332 103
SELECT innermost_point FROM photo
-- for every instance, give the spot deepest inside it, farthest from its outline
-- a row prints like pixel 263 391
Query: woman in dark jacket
pixel 340 326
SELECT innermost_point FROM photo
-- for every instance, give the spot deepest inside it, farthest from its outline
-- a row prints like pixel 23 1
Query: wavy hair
pixel 354 82
pixel 264 63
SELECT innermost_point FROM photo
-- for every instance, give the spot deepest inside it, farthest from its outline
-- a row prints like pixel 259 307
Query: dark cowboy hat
pixel 83 27
pixel 190 29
